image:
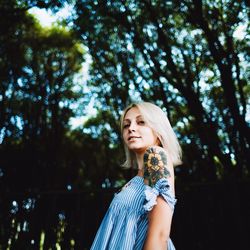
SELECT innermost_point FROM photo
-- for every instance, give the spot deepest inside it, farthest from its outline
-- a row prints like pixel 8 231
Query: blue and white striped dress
pixel 124 226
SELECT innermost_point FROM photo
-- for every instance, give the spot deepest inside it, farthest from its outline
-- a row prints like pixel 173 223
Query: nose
pixel 132 127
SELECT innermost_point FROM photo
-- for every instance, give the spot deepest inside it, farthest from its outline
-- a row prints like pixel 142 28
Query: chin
pixel 138 149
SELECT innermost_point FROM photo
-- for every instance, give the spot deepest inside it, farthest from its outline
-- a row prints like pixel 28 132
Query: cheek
pixel 151 135
pixel 123 135
pixel 155 139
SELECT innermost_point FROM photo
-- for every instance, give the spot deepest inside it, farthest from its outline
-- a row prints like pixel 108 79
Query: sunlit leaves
pixel 174 55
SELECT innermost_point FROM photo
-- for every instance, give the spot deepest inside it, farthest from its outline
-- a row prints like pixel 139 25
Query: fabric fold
pixel 161 188
pixel 125 224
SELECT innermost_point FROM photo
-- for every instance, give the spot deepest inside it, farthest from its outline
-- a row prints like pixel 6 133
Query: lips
pixel 130 138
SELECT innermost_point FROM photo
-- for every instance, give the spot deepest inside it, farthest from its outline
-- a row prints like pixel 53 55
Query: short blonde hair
pixel 158 121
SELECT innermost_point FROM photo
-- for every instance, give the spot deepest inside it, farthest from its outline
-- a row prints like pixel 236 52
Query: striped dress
pixel 124 227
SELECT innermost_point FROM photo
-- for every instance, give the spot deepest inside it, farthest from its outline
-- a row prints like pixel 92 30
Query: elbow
pixel 163 236
pixel 157 241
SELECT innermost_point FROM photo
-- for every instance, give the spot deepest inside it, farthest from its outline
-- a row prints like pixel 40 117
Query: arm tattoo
pixel 155 165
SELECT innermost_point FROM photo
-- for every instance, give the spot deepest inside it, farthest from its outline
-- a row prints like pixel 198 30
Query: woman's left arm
pixel 160 217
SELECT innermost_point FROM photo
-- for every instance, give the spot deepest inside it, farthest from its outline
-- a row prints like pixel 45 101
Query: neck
pixel 139 158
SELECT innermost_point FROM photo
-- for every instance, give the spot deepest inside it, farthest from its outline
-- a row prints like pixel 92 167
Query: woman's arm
pixel 156 167
pixel 160 218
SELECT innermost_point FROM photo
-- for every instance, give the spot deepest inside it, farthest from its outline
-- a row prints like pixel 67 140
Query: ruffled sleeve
pixel 160 188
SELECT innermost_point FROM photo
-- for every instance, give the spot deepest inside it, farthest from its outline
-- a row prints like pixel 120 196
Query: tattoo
pixel 155 165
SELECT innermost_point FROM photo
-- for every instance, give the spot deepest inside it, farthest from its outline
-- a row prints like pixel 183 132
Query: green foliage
pixel 38 66
pixel 185 57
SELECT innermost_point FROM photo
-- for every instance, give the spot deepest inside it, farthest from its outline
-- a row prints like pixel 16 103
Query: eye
pixel 141 122
pixel 126 125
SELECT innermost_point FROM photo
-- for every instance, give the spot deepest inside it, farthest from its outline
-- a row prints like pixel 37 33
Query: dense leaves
pixel 37 79
pixel 186 57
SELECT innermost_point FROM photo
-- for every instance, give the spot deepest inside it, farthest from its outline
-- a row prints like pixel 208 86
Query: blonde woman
pixel 140 215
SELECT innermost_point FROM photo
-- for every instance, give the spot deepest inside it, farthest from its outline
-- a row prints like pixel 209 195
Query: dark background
pixel 188 57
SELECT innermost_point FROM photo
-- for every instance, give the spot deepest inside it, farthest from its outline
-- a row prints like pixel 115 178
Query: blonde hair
pixel 156 119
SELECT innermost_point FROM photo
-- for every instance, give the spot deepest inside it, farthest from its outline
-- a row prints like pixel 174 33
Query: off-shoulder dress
pixel 124 226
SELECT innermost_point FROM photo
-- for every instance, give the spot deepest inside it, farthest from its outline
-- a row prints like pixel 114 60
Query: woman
pixel 140 215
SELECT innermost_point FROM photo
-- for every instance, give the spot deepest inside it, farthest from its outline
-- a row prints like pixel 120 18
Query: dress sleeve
pixel 156 176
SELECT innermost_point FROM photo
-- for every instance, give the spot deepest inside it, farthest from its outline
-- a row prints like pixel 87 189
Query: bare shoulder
pixel 156 165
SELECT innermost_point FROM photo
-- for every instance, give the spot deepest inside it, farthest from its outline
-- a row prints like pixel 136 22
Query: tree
pixel 162 52
pixel 39 67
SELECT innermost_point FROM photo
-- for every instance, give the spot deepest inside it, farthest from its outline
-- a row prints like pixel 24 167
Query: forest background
pixel 189 57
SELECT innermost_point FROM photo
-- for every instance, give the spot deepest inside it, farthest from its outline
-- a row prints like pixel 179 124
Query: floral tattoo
pixel 155 165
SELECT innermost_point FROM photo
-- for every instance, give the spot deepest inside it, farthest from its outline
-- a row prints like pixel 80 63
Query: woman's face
pixel 137 135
